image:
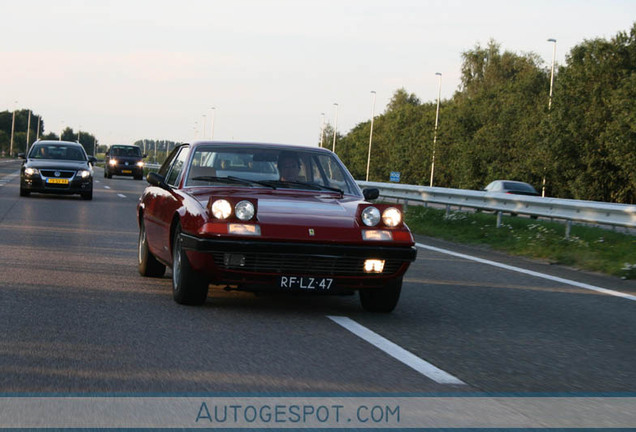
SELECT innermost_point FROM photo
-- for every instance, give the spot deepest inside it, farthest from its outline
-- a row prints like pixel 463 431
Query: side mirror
pixel 156 179
pixel 21 155
pixel 144 156
pixel 371 193
pixel 92 160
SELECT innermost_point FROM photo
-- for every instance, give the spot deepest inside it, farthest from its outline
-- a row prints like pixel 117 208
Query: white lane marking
pixel 530 272
pixel 106 187
pixel 121 195
pixel 397 352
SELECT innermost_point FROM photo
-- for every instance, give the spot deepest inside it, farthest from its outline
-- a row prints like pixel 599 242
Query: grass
pixel 587 248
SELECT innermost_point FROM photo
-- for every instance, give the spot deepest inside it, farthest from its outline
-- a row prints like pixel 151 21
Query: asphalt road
pixel 75 316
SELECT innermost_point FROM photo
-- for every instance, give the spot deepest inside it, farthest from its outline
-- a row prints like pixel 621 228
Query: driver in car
pixel 288 167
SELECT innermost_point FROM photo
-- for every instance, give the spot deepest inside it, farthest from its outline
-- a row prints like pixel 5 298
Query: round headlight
pixel 84 173
pixel 221 209
pixel 392 217
pixel 112 162
pixel 244 210
pixel 140 163
pixel 370 216
pixel 30 171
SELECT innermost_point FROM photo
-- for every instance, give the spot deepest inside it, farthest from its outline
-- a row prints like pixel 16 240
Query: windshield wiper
pixel 312 186
pixel 231 179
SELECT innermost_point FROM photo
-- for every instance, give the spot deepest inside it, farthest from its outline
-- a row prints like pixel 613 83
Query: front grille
pixel 301 264
pixel 63 174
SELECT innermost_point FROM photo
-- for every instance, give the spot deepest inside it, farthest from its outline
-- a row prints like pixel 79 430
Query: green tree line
pixel 28 125
pixel 498 125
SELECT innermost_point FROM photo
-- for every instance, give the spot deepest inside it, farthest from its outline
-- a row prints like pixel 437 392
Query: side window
pixel 167 164
pixel 177 167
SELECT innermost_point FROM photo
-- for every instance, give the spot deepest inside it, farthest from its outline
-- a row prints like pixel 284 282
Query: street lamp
pixel 371 134
pixel 549 103
pixel 26 147
pixel 552 72
pixel 13 128
pixel 439 94
pixel 204 124
pixel 335 128
pixel 212 118
pixel 322 128
pixel 61 129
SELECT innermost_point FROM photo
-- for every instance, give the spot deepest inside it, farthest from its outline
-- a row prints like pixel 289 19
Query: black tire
pixel 147 263
pixel 188 286
pixel 24 192
pixel 383 299
pixel 87 195
pixel 105 173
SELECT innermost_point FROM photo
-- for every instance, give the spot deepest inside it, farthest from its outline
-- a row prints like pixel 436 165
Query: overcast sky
pixel 132 69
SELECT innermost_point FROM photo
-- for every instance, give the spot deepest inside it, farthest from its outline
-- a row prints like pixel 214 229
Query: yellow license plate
pixel 126 171
pixel 57 181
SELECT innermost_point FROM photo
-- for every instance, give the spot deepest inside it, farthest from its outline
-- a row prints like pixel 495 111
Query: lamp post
pixel 212 118
pixel 37 135
pixel 552 72
pixel 335 128
pixel 322 128
pixel 371 134
pixel 26 146
pixel 549 102
pixel 61 129
pixel 439 94
pixel 204 124
pixel 13 128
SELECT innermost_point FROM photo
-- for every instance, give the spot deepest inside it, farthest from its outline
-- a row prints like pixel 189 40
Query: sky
pixel 261 70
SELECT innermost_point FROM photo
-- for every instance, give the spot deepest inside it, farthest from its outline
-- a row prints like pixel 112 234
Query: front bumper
pixel 37 183
pixel 126 170
pixel 255 265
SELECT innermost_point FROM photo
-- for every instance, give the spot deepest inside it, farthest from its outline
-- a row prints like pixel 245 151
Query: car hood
pixel 56 164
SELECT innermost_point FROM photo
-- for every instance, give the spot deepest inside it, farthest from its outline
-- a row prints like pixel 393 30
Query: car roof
pixel 56 142
pixel 270 146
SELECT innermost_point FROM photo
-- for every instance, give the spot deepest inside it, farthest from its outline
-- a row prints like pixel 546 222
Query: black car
pixel 124 160
pixel 59 167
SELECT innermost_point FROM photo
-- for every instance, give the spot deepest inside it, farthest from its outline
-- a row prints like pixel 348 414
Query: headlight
pixel 112 162
pixel 221 209
pixel 31 171
pixel 370 216
pixel 84 173
pixel 244 210
pixel 392 217
pixel 140 164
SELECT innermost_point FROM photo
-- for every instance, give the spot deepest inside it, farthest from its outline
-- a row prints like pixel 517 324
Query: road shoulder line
pixel 529 272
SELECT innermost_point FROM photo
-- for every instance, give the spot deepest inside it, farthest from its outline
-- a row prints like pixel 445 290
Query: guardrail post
pixel 568 228
pixel 499 213
pixel 447 211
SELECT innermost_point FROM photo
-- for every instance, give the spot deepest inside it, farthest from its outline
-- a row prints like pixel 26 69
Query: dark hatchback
pixel 58 167
pixel 124 160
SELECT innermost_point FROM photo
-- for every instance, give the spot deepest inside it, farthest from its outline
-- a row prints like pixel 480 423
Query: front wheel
pixel 188 286
pixel 87 195
pixel 24 192
pixel 381 299
pixel 147 263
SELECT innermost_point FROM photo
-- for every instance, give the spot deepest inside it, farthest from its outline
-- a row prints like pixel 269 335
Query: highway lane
pixel 77 317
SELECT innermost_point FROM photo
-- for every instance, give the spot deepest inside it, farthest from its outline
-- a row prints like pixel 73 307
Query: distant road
pixel 77 317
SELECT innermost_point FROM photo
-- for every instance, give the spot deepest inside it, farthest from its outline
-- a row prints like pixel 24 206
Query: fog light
pixel 373 266
pixel 377 235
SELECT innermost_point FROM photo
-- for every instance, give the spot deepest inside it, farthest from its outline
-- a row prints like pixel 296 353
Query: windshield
pixel 57 151
pixel 271 168
pixel 125 151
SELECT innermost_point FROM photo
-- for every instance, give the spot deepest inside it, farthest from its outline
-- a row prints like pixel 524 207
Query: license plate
pixel 126 171
pixel 57 181
pixel 306 283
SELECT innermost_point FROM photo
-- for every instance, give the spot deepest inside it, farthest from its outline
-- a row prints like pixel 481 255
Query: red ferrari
pixel 259 217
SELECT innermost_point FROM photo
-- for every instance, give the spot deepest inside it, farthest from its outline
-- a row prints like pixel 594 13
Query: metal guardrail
pixel 565 209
